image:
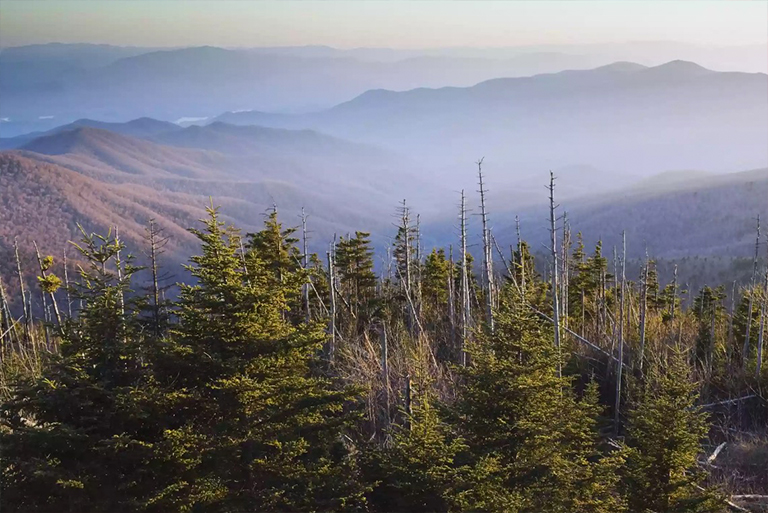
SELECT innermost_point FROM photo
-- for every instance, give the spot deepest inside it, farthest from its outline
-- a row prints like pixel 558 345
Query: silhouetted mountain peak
pixel 622 67
pixel 80 139
pixel 681 69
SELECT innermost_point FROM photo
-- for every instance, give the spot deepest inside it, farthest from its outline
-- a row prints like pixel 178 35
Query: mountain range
pixel 101 178
pixel 613 135
pixel 625 117
pixel 48 85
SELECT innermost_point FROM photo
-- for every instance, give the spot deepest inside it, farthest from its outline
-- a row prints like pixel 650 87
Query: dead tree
pixel 332 294
pixel 565 278
pixel 406 274
pixel 157 242
pixel 27 310
pixel 385 373
pixel 619 365
pixel 66 285
pixel 761 334
pixel 487 255
pixel 6 321
pixel 643 308
pixel 730 320
pixel 745 349
pixel 417 295
pixel 305 266
pixel 119 265
pixel 520 258
pixel 451 298
pixel 554 268
pixel 674 296
pixel 43 274
pixel 466 309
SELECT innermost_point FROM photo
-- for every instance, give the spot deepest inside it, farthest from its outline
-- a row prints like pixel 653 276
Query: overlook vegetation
pixel 157 355
pixel 275 379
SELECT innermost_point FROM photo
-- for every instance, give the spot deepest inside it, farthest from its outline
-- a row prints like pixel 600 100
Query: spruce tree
pixel 525 420
pixel 81 437
pixel 664 435
pixel 418 470
pixel 264 428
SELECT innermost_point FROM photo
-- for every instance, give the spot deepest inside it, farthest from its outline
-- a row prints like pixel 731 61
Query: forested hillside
pixel 623 116
pixel 280 380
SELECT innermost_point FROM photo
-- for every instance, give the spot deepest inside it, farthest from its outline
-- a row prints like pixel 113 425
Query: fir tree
pixel 520 415
pixel 81 437
pixel 664 436
pixel 264 428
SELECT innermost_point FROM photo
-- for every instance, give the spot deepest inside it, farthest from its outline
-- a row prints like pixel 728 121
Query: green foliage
pixel 50 283
pixel 266 430
pixel 234 406
pixel 357 282
pixel 518 411
pixel 664 436
pixel 78 437
pixel 418 471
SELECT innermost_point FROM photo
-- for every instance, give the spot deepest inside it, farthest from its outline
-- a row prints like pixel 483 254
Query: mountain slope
pixel 708 216
pixel 98 178
pixel 625 117
pixel 141 127
pixel 100 148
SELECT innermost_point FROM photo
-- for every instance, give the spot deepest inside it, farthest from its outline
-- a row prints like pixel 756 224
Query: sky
pixel 372 23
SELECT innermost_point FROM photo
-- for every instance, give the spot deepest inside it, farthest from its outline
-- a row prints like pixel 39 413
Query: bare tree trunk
pixel 66 285
pixel 521 259
pixel 152 234
pixel 305 266
pixel 553 249
pixel 674 297
pixel 487 255
pixel 711 348
pixel 565 274
pixel 643 309
pixel 619 364
pixel 745 349
pixel 760 336
pixel 603 317
pixel 418 261
pixel 119 265
pixel 730 319
pixel 43 274
pixel 332 288
pixel 6 321
pixel 466 312
pixel 385 373
pixel 407 279
pixel 451 299
pixel 25 307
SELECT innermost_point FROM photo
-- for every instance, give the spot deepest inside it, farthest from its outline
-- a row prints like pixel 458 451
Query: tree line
pixel 279 380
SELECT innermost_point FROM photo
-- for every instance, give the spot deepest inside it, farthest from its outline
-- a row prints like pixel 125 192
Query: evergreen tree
pixel 357 282
pixel 664 436
pixel 81 437
pixel 263 428
pixel 517 411
pixel 418 471
pixel 277 248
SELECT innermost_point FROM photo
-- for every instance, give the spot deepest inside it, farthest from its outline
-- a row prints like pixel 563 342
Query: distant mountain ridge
pixel 140 127
pixel 627 117
pixel 709 216
pixel 45 85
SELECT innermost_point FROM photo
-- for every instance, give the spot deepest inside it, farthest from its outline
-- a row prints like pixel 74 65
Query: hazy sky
pixel 401 24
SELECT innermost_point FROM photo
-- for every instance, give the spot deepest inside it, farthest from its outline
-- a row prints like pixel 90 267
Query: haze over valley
pixel 394 125
pixel 383 256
